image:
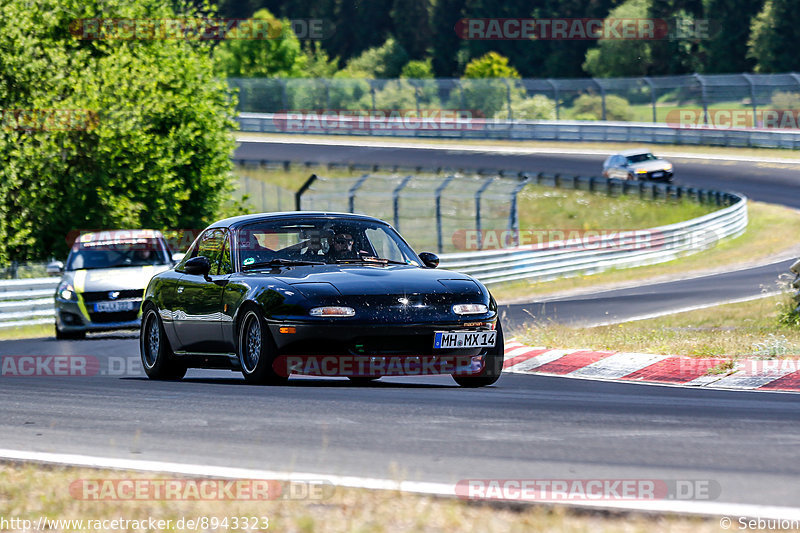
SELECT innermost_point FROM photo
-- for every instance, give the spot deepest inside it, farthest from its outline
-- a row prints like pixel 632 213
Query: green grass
pixel 749 329
pixel 771 230
pixel 26 332
pixel 30 491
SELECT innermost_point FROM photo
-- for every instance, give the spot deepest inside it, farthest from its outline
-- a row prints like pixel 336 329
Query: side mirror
pixel 54 268
pixel 198 266
pixel 429 260
pixel 177 257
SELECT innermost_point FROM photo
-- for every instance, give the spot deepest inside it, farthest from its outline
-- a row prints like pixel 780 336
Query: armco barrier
pixel 25 302
pixel 530 130
pixel 576 257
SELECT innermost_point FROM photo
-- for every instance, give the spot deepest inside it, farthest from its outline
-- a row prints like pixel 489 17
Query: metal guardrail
pixel 26 302
pixel 30 301
pixel 576 257
pixel 525 130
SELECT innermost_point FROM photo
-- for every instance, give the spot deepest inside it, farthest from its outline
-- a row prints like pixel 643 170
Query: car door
pixel 199 314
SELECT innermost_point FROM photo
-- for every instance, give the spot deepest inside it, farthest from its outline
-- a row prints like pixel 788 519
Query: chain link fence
pixel 646 99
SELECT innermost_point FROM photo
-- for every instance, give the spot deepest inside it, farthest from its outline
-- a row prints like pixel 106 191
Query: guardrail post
pixel 478 195
pixel 298 196
pixel 396 201
pixel 351 194
pixel 513 215
pixel 439 191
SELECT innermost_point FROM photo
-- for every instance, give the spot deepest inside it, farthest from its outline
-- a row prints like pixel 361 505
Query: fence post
pixel 703 96
pixel 602 97
pixel 649 83
pixel 284 96
pixel 351 194
pixel 513 216
pixel 555 96
pixel 396 200
pixel 508 99
pixel 439 191
pixel 478 195
pixel 298 196
pixel 752 98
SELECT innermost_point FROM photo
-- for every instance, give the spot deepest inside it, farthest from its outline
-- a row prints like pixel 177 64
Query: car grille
pixel 118 316
pixel 101 296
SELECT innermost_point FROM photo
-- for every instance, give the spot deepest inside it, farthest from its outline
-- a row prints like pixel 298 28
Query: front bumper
pixel 352 349
pixel 71 316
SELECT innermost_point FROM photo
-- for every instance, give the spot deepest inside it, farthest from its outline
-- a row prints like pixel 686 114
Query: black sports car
pixel 323 294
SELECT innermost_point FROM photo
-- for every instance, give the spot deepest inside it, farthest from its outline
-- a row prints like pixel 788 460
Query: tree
pixel 385 61
pixel 446 43
pixel 618 57
pixel 154 151
pixel 490 65
pixel 411 26
pixel 726 48
pixel 772 35
pixel 278 55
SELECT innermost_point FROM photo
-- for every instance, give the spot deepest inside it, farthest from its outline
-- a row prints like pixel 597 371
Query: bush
pixel 538 107
pixel 591 105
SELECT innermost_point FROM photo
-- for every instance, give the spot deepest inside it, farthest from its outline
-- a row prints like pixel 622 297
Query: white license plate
pixel 111 307
pixel 657 174
pixel 464 339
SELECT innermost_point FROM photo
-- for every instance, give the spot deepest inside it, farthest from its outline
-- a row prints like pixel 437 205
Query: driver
pixel 343 246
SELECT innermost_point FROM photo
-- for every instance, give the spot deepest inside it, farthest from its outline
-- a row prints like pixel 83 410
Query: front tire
pixel 492 368
pixel 257 351
pixel 157 356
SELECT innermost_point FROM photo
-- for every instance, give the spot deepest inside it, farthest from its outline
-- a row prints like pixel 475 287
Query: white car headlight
pixel 332 311
pixel 470 309
pixel 65 291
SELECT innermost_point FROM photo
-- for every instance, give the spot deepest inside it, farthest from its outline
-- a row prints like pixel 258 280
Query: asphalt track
pixel 427 429
pixel 418 429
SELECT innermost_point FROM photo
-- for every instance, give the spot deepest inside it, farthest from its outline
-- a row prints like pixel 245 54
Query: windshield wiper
pixel 372 260
pixel 280 262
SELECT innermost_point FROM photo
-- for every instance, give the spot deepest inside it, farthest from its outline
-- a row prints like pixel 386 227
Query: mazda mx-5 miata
pixel 323 294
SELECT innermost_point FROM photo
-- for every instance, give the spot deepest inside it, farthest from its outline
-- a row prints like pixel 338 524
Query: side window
pixel 225 266
pixel 383 245
pixel 210 245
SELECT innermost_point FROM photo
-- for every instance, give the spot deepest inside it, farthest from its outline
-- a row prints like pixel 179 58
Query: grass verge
pixel 771 231
pixel 30 491
pixel 26 332
pixel 749 329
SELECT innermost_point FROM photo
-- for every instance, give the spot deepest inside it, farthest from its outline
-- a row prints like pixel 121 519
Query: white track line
pixel 511 150
pixel 432 489
pixel 682 310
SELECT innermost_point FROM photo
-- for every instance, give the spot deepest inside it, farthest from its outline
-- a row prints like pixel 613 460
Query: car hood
pixel 657 164
pixel 107 279
pixel 354 280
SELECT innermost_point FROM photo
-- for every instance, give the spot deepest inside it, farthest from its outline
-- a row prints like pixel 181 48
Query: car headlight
pixel 640 171
pixel 332 311
pixel 65 291
pixel 470 309
pixel 668 168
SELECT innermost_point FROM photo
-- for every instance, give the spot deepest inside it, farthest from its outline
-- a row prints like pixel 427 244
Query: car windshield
pixel 321 240
pixel 638 158
pixel 115 253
